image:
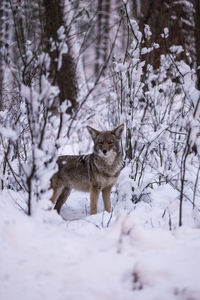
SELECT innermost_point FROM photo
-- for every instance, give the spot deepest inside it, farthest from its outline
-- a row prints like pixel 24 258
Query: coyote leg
pixel 106 198
pixel 56 193
pixel 94 196
pixel 62 198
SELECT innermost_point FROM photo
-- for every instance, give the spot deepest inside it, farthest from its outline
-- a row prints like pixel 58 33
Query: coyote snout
pixel 94 173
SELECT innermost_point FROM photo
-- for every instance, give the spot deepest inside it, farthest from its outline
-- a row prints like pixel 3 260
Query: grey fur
pixel 96 172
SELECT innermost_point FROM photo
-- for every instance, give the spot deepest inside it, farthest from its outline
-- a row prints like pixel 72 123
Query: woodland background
pixel 67 64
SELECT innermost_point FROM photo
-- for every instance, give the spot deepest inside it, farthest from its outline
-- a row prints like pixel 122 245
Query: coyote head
pixel 106 142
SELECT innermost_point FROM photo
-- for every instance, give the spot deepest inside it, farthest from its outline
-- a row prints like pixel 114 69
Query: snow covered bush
pixel 158 108
pixel 31 128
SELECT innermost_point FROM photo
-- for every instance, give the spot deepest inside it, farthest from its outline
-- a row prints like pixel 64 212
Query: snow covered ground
pixel 129 254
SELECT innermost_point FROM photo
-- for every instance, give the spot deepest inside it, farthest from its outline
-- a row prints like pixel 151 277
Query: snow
pixel 176 49
pixel 165 33
pixel 8 133
pixel 147 31
pixel 128 254
pixel 137 251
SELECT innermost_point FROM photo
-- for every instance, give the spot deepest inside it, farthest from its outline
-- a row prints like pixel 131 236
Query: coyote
pixel 94 173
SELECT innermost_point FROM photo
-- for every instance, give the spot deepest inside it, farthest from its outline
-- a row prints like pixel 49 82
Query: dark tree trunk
pixel 4 27
pixel 1 58
pixel 102 34
pixel 177 16
pixel 197 39
pixel 65 77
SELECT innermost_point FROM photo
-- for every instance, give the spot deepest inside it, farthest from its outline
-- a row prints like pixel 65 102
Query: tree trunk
pixel 4 27
pixel 177 16
pixel 64 77
pixel 197 39
pixel 102 44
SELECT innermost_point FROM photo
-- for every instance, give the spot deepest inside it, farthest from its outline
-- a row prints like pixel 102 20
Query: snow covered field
pixel 64 66
pixel 129 254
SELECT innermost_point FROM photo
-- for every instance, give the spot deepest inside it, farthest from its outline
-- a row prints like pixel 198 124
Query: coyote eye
pixel 100 143
pixel 110 142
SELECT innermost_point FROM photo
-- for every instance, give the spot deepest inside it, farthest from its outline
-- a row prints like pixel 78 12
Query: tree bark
pixel 197 39
pixel 177 16
pixel 64 77
pixel 102 44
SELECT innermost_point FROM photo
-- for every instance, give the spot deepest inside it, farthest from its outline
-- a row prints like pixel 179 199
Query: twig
pixel 111 214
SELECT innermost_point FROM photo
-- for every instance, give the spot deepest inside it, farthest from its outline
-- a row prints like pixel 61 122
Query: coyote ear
pixel 93 132
pixel 118 131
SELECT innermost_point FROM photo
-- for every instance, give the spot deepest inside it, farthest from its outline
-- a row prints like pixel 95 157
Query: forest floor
pixel 128 254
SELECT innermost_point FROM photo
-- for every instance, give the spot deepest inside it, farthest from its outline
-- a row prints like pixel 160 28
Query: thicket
pixel 57 79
